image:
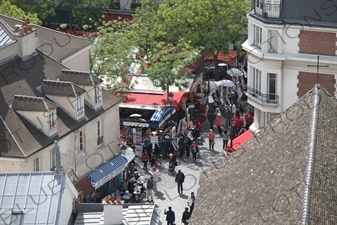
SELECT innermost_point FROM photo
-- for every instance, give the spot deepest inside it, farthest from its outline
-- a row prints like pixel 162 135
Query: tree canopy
pixel 7 8
pixel 166 38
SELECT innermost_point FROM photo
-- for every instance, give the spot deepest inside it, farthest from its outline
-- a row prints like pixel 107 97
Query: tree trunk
pixel 216 64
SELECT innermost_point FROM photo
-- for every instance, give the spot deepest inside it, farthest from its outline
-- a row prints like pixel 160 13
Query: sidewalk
pixel 167 194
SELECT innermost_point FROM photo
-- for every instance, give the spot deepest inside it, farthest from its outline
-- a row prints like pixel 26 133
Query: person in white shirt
pixel 155 174
pixel 233 108
pixel 190 202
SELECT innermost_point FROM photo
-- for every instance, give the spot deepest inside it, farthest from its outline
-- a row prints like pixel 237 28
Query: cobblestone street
pixel 167 194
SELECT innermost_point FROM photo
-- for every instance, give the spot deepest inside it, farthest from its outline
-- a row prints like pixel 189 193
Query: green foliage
pixel 111 54
pixel 41 8
pixel 11 10
pixel 63 26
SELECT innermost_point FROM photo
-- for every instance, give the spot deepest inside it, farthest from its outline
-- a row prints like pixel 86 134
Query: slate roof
pixel 264 182
pixel 38 195
pixel 61 88
pixel 79 77
pixel 53 43
pixel 32 103
pixel 19 77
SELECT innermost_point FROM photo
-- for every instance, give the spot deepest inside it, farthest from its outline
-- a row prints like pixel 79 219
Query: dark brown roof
pixel 24 78
pixel 264 182
pixel 61 88
pixel 54 43
pixel 31 103
pixel 79 77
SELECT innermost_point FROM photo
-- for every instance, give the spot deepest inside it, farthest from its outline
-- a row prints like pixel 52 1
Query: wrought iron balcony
pixel 264 98
pixel 266 10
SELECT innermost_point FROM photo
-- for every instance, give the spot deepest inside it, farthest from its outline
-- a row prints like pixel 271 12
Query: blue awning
pixel 108 171
pixel 160 116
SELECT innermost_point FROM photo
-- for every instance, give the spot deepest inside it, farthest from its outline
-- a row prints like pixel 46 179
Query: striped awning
pixel 108 171
pixel 160 116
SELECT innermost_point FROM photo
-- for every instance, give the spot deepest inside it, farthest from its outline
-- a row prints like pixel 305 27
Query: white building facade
pixel 284 40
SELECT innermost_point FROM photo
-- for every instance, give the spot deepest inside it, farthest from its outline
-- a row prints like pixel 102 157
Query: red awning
pixel 154 99
pixel 240 140
pixel 226 58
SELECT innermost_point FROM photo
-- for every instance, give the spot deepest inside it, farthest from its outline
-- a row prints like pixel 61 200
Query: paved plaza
pixel 167 194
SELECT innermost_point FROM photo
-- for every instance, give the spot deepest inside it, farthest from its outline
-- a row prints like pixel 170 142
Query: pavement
pixel 167 194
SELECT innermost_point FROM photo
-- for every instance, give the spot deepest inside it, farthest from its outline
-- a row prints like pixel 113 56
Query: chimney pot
pixel 25 29
pixel 30 28
pixel 21 32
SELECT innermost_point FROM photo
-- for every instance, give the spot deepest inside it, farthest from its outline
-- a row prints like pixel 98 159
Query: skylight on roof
pixel 4 37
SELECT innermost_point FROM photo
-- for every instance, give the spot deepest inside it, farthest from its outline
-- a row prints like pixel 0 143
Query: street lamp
pixel 170 98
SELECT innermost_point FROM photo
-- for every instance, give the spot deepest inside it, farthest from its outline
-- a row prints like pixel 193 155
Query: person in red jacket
pixel 211 139
pixel 249 118
pixel 145 159
pixel 218 123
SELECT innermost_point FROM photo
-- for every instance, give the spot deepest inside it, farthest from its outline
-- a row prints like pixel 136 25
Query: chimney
pixel 25 29
pixel 58 166
pixel 113 214
pixel 21 32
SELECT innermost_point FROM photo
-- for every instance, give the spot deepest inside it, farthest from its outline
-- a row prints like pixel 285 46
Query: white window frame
pixel 81 141
pixel 256 81
pixel 257 35
pixel 37 164
pixel 269 81
pixel 51 121
pixel 52 157
pixel 79 105
pixel 266 118
pixel 98 96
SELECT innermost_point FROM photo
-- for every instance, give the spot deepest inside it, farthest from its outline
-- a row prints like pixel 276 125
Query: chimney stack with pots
pixel 26 37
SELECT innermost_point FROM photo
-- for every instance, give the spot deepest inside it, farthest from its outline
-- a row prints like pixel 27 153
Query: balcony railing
pixel 264 98
pixel 267 10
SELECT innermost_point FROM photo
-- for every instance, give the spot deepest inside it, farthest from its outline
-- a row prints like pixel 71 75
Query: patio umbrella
pixel 226 83
pixel 135 115
pixel 234 72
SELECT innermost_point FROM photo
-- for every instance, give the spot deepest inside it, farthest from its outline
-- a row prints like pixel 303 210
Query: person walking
pixel 211 118
pixel 225 139
pixel 155 175
pixel 187 144
pixel 194 149
pixel 170 216
pixel 181 147
pixel 149 187
pixel 186 217
pixel 180 178
pixel 211 139
pixel 190 202
pixel 145 159
pixel 228 117
pixel 249 118
pixel 218 123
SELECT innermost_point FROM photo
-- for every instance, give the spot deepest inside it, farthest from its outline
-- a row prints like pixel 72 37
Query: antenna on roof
pixel 317 66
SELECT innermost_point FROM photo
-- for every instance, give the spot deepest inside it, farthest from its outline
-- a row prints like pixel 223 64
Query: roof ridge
pixel 312 152
pixel 28 97
pixel 56 81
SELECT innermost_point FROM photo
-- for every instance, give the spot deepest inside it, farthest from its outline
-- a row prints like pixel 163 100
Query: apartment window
pixel 99 133
pixel 51 120
pixel 37 165
pixel 257 35
pixel 81 141
pixel 79 105
pixel 266 118
pixel 256 81
pixel 271 87
pixel 52 158
pixel 97 94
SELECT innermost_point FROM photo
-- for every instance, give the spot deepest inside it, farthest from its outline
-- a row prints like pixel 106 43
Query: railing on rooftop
pixel 266 10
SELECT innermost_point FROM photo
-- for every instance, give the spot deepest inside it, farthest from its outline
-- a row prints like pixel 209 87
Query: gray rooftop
pixel 264 181
pixel 61 88
pixel 32 103
pixel 6 35
pixel 53 43
pixel 37 195
pixel 21 78
pixel 79 77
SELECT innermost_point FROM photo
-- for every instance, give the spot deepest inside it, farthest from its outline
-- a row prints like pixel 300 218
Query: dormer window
pixel 51 120
pixel 98 94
